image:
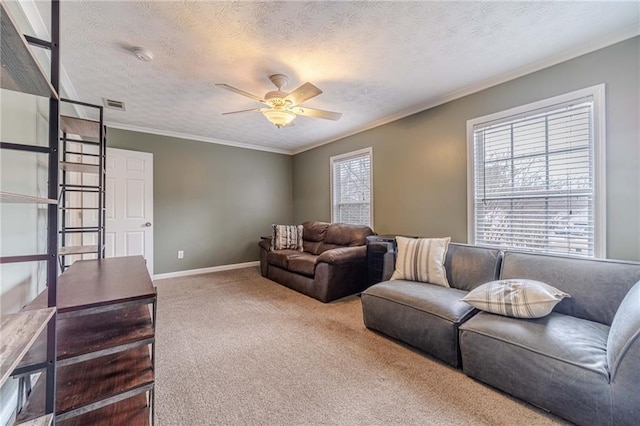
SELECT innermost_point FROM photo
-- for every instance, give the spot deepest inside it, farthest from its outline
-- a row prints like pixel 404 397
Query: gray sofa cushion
pixel 558 362
pixel 597 287
pixel 561 337
pixel 470 266
pixel 425 316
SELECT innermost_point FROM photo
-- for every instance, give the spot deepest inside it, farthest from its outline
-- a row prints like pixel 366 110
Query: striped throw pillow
pixel 286 237
pixel 422 259
pixel 515 298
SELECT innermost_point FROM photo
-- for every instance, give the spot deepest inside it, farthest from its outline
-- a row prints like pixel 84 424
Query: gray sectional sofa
pixel 581 362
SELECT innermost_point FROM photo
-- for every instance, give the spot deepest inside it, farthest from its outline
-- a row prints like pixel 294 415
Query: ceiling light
pixel 279 117
pixel 145 55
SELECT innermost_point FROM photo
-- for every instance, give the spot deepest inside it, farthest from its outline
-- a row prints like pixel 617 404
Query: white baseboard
pixel 205 270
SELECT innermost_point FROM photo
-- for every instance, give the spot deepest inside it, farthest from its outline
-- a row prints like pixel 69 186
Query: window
pixel 351 188
pixel 536 178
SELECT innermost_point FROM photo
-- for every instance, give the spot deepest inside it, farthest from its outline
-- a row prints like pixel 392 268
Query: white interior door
pixel 129 204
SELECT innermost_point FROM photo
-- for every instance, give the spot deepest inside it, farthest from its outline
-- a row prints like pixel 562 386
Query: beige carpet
pixel 234 348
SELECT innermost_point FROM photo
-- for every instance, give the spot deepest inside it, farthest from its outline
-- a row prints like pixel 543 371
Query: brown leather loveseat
pixel 332 265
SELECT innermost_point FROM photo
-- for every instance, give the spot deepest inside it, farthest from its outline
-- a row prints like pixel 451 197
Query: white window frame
pixel 337 158
pixel 597 92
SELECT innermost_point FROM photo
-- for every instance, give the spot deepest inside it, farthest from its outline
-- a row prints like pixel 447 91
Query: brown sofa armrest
pixel 265 243
pixel 342 255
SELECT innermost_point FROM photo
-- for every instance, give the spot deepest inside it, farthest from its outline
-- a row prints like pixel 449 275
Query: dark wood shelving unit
pixel 132 411
pixel 10 197
pixel 106 344
pixel 85 337
pixel 21 72
pixel 80 126
pixel 40 421
pixel 18 333
pixel 101 285
pixel 96 383
pixel 83 149
pixel 79 167
pixel 106 339
pixel 69 250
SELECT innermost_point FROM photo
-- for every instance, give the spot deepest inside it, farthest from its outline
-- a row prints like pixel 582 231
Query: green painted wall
pixel 420 164
pixel 212 201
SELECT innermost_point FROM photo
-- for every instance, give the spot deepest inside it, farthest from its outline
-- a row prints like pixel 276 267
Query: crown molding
pixel 194 137
pixel 608 40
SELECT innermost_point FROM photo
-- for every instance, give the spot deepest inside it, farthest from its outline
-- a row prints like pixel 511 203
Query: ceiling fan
pixel 282 107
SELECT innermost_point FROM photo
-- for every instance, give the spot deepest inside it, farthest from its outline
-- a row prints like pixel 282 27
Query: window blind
pixel 534 180
pixel 351 188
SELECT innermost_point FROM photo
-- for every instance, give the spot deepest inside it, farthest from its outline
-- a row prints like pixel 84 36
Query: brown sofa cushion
pixel 324 247
pixel 281 258
pixel 344 235
pixel 322 236
pixel 304 264
pixel 314 231
pixel 313 247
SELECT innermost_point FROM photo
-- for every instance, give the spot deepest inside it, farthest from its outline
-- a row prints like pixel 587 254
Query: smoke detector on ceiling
pixel 145 55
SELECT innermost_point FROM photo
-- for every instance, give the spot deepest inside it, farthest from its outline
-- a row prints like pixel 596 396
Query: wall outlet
pixel 180 254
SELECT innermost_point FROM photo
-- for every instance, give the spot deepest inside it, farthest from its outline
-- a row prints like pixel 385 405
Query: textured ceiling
pixel 373 60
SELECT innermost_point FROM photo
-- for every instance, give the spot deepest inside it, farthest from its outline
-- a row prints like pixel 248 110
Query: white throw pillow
pixel 516 298
pixel 422 259
pixel 286 237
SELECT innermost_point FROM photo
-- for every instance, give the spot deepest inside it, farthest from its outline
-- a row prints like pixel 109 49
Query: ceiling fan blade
pixel 240 92
pixel 317 113
pixel 302 93
pixel 244 110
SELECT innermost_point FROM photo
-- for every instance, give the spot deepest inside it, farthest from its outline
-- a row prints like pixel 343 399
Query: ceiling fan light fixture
pixel 284 107
pixel 279 117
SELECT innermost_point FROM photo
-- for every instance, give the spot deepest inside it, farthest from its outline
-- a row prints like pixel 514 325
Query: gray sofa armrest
pixel 623 358
pixel 339 256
